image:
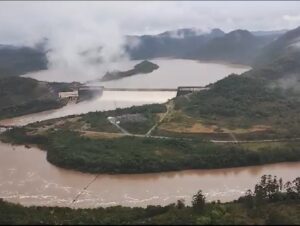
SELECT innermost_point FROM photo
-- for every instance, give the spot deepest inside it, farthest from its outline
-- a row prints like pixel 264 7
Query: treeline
pixel 141 155
pixel 267 211
pixel 271 189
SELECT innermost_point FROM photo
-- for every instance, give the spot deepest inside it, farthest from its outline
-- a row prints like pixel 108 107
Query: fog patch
pixel 85 49
pixel 289 82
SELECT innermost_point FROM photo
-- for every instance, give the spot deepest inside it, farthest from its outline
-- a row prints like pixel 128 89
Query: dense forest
pixel 19 96
pixel 272 202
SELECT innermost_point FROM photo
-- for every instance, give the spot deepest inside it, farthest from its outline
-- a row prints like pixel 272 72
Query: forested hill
pixel 266 95
pixel 283 47
pixel 238 46
pixel 19 96
pixel 279 62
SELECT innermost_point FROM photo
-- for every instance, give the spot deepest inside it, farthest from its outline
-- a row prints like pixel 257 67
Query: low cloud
pixel 293 18
pixel 81 35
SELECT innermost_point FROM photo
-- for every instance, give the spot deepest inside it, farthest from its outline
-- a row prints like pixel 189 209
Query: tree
pixel 248 199
pixel 280 184
pixel 198 201
pixel 296 183
pixel 180 204
pixel 289 190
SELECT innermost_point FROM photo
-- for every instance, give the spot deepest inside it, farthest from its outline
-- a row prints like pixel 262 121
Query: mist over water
pixel 178 72
pixel 170 74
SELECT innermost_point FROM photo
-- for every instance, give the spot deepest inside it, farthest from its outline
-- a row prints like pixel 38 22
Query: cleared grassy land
pixel 179 124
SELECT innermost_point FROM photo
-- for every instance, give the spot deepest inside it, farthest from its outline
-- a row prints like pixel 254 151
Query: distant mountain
pixel 179 43
pixel 20 60
pixel 275 33
pixel 279 62
pixel 182 33
pixel 286 46
pixel 239 46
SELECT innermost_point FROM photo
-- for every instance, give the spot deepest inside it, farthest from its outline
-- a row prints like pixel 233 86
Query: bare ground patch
pixel 97 135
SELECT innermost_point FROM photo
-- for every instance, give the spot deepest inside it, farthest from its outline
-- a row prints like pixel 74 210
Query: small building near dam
pixel 183 90
pixel 69 95
pixel 88 92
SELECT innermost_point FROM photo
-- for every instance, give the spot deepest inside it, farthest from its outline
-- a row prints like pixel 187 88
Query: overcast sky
pixel 76 27
pixel 31 20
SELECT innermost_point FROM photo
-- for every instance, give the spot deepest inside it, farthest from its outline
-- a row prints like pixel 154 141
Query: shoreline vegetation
pixel 122 155
pixel 272 202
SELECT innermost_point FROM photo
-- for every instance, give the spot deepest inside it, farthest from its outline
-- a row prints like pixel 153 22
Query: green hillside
pixel 19 96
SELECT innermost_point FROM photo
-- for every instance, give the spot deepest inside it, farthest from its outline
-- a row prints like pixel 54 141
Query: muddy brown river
pixel 27 178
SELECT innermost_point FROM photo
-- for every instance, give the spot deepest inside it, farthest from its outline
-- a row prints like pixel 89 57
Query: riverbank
pixel 279 206
pixel 29 179
pixel 117 155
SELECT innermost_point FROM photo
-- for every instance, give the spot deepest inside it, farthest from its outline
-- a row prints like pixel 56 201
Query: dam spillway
pixel 181 90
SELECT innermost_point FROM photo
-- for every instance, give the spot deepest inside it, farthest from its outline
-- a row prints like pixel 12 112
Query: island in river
pixel 144 67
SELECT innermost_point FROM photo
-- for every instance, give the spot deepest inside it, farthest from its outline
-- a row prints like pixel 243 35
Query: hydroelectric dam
pixel 88 91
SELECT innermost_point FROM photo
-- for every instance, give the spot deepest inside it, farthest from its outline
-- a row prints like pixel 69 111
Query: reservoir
pixel 171 74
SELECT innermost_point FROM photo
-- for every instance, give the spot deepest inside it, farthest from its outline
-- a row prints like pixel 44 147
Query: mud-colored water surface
pixel 27 178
